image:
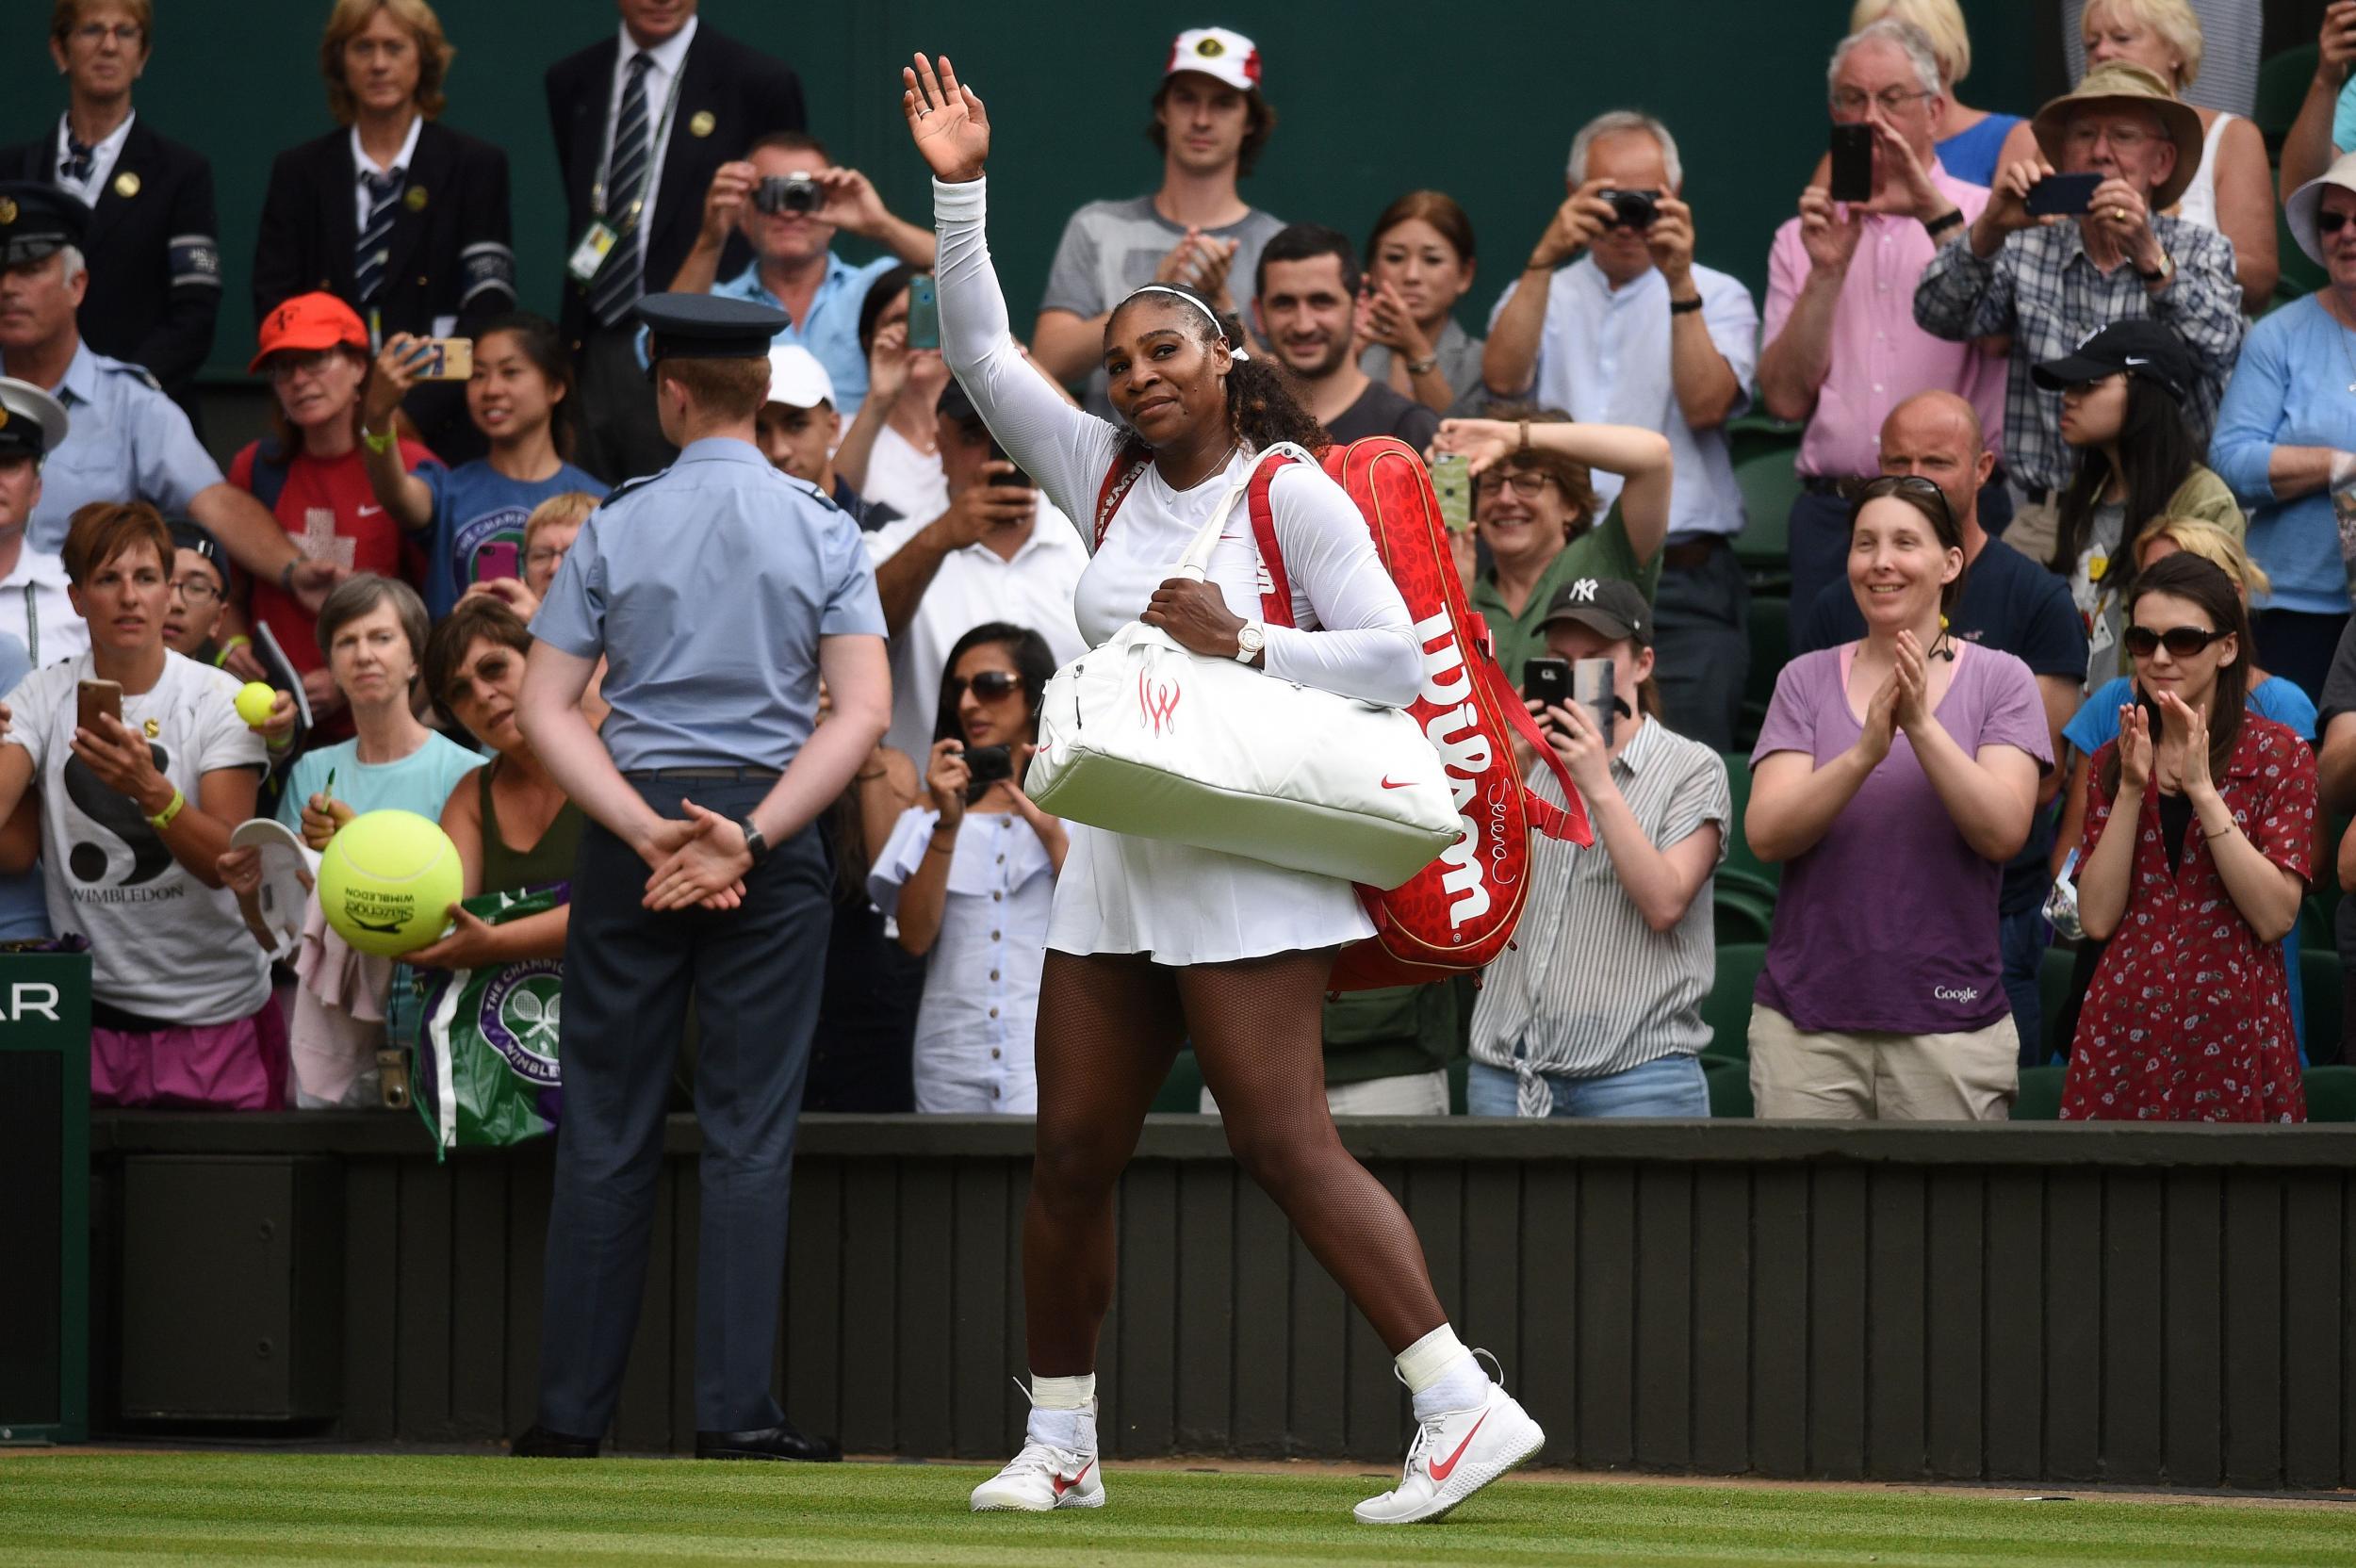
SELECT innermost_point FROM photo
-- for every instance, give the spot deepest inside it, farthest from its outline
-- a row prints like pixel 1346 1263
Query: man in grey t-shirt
pixel 1211 123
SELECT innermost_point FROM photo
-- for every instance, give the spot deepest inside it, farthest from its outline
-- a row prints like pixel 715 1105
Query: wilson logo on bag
pixel 1459 912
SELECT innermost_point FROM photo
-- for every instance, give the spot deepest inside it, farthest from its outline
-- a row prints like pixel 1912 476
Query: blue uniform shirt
pixel 24 901
pixel 707 589
pixel 127 442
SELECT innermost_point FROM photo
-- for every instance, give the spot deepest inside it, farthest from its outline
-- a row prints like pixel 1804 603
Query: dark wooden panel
pixel 1373 1427
pixel 1780 1321
pixel 2134 1363
pixel 1206 1307
pixel 2015 1315
pixel 1836 1324
pixel 687 1208
pixel 1436 1202
pixel 1015 1408
pixel 810 1351
pixel 870 1292
pixel 1955 1318
pixel 1547 1382
pixel 422 1335
pixel 2347 1330
pixel 2073 1326
pixel 1263 1324
pixel 531 1188
pixel 1489 1312
pixel 1896 1385
pixel 2253 1328
pixel 978 1285
pixel 924 1385
pixel 2194 1297
pixel 1607 1315
pixel 641 1421
pixel 371 1310
pixel 1664 1316
pixel 1321 1319
pixel 2312 1308
pixel 1721 1320
pixel 1145 1413
pixel 478 1301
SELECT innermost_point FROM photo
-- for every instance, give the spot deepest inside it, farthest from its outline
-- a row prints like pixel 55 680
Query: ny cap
pixel 1612 606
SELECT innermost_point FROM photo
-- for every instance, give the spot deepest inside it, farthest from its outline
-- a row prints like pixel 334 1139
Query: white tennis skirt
pixel 1178 905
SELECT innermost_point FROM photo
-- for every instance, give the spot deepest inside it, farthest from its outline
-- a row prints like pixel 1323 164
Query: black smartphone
pixel 1852 163
pixel 1548 681
pixel 988 764
pixel 2062 195
pixel 924 313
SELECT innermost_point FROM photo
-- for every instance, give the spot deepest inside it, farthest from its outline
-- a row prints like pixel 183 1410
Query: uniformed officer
pixel 127 441
pixel 33 606
pixel 719 592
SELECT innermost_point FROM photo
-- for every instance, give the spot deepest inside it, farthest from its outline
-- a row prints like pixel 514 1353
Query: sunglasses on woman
pixel 2181 642
pixel 1911 484
pixel 989 685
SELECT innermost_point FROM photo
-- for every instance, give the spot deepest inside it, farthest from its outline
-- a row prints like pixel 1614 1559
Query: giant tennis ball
pixel 255 702
pixel 387 880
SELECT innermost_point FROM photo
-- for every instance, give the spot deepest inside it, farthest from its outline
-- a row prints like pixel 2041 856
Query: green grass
pixel 355 1511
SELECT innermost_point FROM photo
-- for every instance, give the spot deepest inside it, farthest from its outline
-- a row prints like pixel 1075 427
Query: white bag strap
pixel 1195 563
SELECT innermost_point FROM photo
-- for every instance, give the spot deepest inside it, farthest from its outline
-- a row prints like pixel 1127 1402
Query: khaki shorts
pixel 1832 1076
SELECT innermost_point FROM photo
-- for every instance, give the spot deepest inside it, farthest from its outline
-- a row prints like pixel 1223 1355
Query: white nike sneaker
pixel 1041 1478
pixel 1454 1455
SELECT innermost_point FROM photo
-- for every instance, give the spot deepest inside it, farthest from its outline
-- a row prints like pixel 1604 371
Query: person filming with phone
pixel 789 200
pixel 969 873
pixel 2071 241
pixel 1596 1008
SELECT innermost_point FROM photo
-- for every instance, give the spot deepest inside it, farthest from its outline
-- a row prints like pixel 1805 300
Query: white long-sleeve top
pixel 1350 634
pixel 1351 631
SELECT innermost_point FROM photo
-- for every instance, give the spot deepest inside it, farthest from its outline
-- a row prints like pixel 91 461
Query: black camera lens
pixel 1634 209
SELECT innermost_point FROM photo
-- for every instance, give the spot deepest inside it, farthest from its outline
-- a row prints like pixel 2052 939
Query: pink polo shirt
pixel 1880 358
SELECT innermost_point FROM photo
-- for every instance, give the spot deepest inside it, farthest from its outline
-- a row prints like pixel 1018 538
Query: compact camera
pixel 789 193
pixel 1634 209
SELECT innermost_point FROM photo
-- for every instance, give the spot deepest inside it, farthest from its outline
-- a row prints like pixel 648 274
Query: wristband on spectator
pixel 1951 219
pixel 162 819
pixel 1424 367
pixel 220 655
pixel 378 443
pixel 1685 307
pixel 1525 446
pixel 286 576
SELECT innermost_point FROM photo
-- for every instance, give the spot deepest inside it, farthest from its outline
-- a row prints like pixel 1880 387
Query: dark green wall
pixel 1376 98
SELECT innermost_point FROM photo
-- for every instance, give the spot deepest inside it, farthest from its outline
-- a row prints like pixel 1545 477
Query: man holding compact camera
pixel 2055 257
pixel 1633 333
pixel 789 200
pixel 1002 552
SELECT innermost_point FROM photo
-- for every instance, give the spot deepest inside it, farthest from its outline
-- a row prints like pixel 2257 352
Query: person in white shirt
pixel 1633 332
pixel 34 607
pixel 136 814
pixel 1002 552
pixel 969 873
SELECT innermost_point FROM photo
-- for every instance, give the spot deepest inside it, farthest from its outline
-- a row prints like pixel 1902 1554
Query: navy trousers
pixel 755 973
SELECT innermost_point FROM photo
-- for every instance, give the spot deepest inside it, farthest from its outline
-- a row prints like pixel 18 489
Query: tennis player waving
pixel 1150 942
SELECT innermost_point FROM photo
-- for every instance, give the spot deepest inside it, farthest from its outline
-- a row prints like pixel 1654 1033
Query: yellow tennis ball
pixel 255 702
pixel 387 880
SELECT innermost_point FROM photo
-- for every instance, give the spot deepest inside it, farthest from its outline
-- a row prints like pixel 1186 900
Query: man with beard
pixel 1305 299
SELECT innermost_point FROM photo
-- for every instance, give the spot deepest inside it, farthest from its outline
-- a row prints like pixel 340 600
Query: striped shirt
pixel 1588 989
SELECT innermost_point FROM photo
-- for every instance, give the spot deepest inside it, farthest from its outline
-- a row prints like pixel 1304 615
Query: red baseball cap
pixel 307 323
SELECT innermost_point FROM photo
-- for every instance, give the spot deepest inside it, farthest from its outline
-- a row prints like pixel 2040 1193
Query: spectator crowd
pixel 2024 498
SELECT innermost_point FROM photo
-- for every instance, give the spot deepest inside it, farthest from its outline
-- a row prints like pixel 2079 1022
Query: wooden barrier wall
pixel 2126 1304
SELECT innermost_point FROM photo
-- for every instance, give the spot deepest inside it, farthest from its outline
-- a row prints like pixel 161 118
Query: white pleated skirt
pixel 1178 905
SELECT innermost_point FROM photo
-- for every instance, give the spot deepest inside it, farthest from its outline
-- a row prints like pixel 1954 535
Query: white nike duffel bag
pixel 1143 736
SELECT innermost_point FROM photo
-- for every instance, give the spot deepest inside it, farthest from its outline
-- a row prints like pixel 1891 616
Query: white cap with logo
pixel 1220 52
pixel 796 379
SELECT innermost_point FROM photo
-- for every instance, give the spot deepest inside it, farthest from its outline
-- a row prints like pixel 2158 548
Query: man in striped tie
pixel 643 121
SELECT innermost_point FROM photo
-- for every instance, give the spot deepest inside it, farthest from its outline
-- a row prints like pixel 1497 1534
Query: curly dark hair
pixel 1261 408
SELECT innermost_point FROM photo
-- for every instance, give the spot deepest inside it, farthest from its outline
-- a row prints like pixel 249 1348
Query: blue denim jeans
pixel 2023 938
pixel 1672 1086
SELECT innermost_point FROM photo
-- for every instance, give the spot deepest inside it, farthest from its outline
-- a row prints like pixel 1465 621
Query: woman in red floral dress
pixel 2189 1017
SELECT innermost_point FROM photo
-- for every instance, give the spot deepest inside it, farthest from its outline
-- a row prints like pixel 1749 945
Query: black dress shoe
pixel 539 1443
pixel 777 1442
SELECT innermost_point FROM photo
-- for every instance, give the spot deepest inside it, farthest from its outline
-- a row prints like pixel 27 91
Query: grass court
pixel 356 1510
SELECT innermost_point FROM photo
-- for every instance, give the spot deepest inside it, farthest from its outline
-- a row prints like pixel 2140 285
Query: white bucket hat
pixel 2300 211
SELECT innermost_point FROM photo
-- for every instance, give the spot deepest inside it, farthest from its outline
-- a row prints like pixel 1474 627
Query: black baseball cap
pixel 1612 606
pixel 190 535
pixel 2137 346
pixel 37 220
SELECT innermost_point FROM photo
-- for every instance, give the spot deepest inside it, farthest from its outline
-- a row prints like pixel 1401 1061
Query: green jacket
pixel 1396 1032
pixel 1602 551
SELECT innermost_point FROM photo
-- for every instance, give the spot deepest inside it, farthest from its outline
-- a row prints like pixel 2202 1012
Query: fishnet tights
pixel 1109 1028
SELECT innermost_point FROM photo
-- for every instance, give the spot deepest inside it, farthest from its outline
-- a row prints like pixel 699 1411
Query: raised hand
pixel 2192 768
pixel 1829 240
pixel 1913 676
pixel 1485 441
pixel 946 121
pixel 945 778
pixel 2134 748
pixel 1881 723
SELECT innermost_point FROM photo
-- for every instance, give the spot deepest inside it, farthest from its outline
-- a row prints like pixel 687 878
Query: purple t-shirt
pixel 1889 923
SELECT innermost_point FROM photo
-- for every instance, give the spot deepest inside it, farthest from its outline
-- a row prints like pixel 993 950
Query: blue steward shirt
pixel 706 589
pixel 124 441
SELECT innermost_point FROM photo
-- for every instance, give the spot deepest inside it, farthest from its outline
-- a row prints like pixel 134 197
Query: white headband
pixel 1234 350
